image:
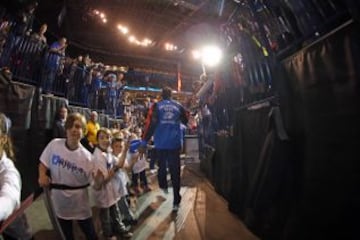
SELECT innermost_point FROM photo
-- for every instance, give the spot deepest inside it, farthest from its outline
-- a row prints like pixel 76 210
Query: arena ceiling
pixel 186 24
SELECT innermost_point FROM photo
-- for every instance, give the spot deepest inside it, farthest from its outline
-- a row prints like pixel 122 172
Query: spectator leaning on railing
pixel 52 63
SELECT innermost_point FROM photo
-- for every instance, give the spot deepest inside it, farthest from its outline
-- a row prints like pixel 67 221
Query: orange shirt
pixel 92 129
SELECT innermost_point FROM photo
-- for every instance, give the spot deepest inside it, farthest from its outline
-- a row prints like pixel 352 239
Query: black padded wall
pixel 322 92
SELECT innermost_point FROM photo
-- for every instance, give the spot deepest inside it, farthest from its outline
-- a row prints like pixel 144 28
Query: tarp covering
pixel 262 171
pixel 222 165
pixel 323 89
pixel 250 131
pixel 207 160
pixel 304 185
pixel 16 101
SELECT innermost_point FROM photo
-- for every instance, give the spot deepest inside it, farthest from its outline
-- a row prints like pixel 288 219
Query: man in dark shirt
pixel 59 123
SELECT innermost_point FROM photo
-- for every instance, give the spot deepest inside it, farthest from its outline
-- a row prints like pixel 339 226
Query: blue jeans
pixel 125 209
pixel 135 178
pixel 49 79
pixel 111 221
pixel 171 159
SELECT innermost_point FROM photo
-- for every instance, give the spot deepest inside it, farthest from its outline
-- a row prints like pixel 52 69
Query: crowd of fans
pixel 27 55
pixel 96 155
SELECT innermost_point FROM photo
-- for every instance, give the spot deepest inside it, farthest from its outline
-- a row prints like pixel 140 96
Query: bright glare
pixel 196 54
pixel 104 20
pixel 123 29
pixel 102 15
pixel 132 39
pixel 211 55
pixel 147 41
pixel 170 47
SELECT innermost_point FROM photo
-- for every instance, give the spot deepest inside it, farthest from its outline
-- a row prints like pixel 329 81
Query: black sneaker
pixel 165 190
pixel 131 222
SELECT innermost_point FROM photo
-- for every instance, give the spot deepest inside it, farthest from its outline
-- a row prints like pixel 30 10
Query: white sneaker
pixel 176 208
pixel 153 171
pixel 165 190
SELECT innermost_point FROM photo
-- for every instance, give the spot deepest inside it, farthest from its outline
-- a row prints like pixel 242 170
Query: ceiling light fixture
pixel 208 56
pixel 170 47
pixel 123 29
pixel 132 39
pixel 211 55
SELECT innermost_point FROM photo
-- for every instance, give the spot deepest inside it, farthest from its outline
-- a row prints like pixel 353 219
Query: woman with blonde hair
pixel 10 181
pixel 10 185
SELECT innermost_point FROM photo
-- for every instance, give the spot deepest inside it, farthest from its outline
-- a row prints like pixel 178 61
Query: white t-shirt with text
pixel 108 194
pixel 10 187
pixel 72 168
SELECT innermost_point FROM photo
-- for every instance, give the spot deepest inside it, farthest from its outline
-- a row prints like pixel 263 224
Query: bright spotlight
pixel 167 46
pixel 124 30
pixel 196 54
pixel 132 39
pixel 147 41
pixel 211 55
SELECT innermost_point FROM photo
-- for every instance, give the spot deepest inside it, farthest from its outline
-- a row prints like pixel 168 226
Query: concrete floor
pixel 203 213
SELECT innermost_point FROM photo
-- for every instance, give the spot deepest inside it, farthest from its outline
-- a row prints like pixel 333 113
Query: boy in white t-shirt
pixel 119 150
pixel 137 161
pixel 70 166
pixel 107 195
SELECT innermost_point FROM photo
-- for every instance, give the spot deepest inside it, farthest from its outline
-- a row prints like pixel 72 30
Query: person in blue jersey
pixel 163 122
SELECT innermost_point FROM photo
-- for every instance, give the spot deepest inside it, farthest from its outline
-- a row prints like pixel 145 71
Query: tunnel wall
pixel 322 92
pixel 303 185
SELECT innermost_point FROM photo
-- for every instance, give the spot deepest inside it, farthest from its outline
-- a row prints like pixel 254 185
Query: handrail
pixel 23 206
